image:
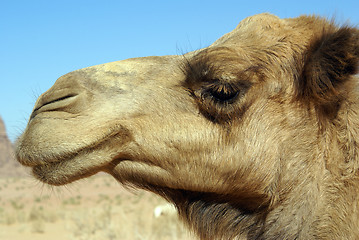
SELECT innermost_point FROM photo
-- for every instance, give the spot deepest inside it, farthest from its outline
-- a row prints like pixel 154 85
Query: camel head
pixel 242 136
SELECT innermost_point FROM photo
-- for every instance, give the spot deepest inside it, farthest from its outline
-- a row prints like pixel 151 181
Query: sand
pixel 93 208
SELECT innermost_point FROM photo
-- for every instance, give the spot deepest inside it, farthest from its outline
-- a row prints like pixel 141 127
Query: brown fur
pixel 253 137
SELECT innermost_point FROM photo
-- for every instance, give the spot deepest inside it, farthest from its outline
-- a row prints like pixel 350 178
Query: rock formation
pixel 9 167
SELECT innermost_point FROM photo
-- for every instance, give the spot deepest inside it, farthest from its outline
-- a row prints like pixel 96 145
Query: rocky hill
pixel 9 167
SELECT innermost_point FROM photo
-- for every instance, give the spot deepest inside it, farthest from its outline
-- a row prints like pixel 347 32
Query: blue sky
pixel 42 40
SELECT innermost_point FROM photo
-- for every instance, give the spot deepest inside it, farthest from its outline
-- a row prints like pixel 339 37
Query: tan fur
pixel 253 137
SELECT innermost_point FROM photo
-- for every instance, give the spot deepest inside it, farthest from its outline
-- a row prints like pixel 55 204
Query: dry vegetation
pixel 94 208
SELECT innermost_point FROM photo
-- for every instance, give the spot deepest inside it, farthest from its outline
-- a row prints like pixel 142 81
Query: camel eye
pixel 219 100
pixel 223 93
pixel 223 96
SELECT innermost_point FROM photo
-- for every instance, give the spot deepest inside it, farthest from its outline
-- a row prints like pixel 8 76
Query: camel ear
pixel 331 60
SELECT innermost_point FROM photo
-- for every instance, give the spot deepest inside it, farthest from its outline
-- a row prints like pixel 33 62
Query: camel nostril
pixel 56 100
pixel 54 104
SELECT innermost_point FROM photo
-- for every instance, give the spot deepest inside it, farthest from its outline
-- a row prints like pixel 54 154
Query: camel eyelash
pixel 224 93
pixel 221 101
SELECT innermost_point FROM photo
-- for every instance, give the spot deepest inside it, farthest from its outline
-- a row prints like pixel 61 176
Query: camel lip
pixel 31 161
pixel 38 163
pixel 68 168
pixel 28 162
pixel 55 173
pixel 58 173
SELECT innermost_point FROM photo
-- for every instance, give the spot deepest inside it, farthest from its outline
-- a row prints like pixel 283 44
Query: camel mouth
pixel 56 171
pixel 61 167
pixel 75 166
pixel 68 170
pixel 36 160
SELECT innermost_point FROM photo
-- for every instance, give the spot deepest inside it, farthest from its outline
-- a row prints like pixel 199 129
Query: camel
pixel 253 137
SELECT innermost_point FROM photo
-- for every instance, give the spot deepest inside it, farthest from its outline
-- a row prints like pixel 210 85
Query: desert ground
pixel 91 209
